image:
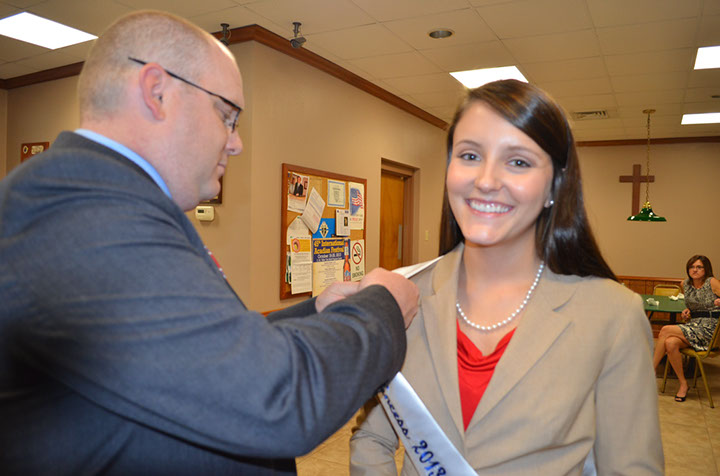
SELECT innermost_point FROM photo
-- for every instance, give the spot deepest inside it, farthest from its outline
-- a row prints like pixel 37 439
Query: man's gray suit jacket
pixel 123 350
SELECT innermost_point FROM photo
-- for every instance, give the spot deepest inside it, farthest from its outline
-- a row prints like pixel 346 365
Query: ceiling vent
pixel 588 115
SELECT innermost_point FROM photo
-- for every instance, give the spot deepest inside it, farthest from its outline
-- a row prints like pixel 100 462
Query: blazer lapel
pixel 540 326
pixel 440 326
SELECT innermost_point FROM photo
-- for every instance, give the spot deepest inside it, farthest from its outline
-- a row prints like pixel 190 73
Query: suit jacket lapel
pixel 440 326
pixel 540 326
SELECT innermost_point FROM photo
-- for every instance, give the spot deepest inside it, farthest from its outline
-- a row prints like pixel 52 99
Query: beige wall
pixel 685 192
pixel 38 113
pixel 3 132
pixel 304 117
pixel 298 115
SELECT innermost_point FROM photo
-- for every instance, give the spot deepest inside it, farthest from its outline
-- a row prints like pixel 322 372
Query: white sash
pixel 425 443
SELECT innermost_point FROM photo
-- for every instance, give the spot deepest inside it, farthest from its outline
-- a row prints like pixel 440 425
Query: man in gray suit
pixel 123 350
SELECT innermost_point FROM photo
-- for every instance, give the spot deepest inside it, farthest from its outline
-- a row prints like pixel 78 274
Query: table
pixel 666 305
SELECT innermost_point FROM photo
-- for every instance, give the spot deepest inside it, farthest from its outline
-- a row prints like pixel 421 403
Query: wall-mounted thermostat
pixel 205 213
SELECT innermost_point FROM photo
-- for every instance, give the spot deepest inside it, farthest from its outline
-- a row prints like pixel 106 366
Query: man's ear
pixel 153 82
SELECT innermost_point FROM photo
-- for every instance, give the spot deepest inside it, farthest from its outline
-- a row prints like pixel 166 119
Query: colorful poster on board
pixel 328 257
pixel 300 265
pixel 335 194
pixel 357 206
pixel 357 259
pixel 297 191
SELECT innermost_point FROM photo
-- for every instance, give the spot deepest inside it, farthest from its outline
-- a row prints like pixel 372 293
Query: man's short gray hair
pixel 150 36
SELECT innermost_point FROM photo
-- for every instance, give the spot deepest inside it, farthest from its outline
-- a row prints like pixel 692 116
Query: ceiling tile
pixel 599 134
pixel 681 59
pixel 20 4
pixel 77 52
pixel 647 37
pixel 393 66
pixel 649 99
pixel 236 17
pixel 427 84
pixel 581 68
pixel 446 113
pixel 711 7
pixel 588 102
pixel 442 98
pixel 691 107
pixel 315 15
pixel 384 10
pixel 538 17
pixel 609 123
pixel 650 82
pixel 12 70
pixel 709 31
pixel 660 110
pixel 482 3
pixel 91 17
pixel 576 44
pixel 577 87
pixel 624 12
pixel 13 50
pixel 639 121
pixel 464 57
pixel 467 25
pixel 701 95
pixel 49 60
pixel 8 10
pixel 705 78
pixel 360 42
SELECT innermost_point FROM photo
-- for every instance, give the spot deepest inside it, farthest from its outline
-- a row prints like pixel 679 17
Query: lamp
pixel 647 213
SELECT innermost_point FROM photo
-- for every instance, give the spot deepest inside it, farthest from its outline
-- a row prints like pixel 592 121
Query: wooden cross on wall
pixel 636 179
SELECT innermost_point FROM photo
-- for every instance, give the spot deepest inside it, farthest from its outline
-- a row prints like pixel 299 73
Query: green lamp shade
pixel 646 214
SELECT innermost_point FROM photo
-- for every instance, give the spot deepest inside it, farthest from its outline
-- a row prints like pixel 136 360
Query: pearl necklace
pixel 511 316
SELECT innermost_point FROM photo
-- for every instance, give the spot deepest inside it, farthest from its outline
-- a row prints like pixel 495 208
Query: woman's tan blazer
pixel 576 377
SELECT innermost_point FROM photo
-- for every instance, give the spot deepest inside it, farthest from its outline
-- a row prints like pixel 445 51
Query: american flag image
pixel 356 198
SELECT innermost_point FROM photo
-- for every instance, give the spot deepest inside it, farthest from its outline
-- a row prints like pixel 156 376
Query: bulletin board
pixel 322 231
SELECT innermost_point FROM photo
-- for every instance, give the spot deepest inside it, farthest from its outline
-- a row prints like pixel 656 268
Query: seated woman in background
pixel 526 351
pixel 701 291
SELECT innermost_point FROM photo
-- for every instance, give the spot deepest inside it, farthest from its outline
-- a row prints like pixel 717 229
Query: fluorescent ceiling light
pixel 41 31
pixel 708 57
pixel 706 118
pixel 477 77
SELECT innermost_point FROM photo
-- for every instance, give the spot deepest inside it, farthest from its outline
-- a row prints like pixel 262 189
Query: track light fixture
pixel 225 40
pixel 297 40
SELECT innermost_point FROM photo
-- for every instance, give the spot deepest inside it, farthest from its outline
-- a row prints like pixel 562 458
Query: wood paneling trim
pixel 274 41
pixel 42 76
pixel 667 140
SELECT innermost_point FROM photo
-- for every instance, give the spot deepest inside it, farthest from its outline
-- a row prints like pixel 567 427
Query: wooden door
pixel 392 213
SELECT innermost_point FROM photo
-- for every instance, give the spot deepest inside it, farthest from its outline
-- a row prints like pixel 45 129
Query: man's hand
pixel 335 292
pixel 406 294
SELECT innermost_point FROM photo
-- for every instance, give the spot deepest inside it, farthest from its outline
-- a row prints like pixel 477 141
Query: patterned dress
pixel 699 330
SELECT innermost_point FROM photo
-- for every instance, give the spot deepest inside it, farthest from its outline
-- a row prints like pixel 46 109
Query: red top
pixel 475 371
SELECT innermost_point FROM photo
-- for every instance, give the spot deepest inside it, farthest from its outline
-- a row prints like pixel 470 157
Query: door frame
pixel 408 175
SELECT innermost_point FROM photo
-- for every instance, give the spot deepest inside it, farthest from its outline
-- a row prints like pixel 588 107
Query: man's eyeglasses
pixel 230 120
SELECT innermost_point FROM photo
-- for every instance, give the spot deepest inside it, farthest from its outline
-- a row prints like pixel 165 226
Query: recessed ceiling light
pixel 41 31
pixel 708 57
pixel 440 33
pixel 706 118
pixel 477 77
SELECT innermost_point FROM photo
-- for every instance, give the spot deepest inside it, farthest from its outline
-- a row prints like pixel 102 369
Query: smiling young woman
pixel 527 352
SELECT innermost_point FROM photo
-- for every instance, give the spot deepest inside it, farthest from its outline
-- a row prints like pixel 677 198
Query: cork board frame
pixel 318 179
